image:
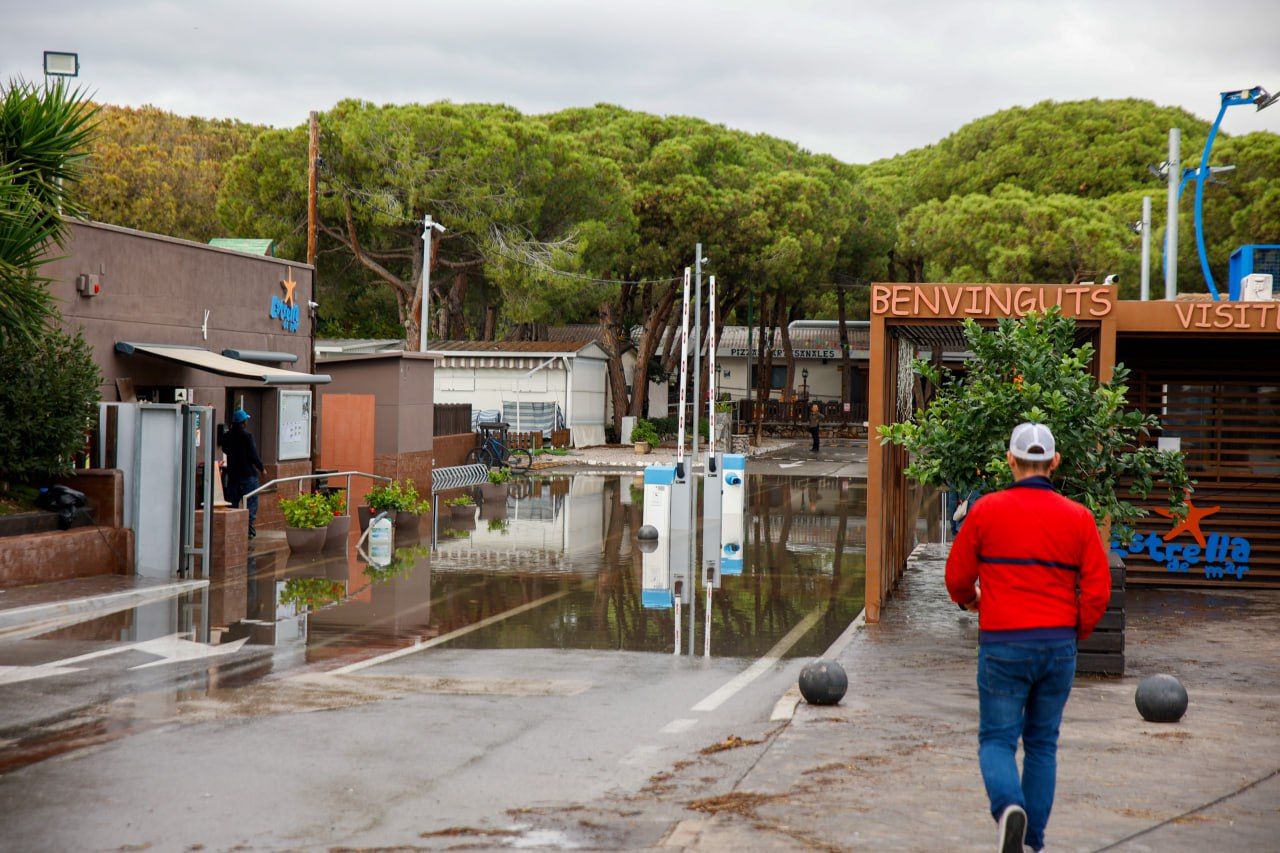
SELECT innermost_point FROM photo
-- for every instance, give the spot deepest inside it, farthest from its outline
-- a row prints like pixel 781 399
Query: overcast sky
pixel 856 79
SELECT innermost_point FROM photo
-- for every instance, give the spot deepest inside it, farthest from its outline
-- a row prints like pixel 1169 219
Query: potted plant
pixel 339 526
pixel 306 518
pixel 498 486
pixel 462 507
pixel 645 436
pixel 400 501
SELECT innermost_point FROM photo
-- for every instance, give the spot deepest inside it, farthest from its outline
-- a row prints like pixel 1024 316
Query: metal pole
pixel 1201 175
pixel 1171 223
pixel 427 226
pixel 313 153
pixel 1145 292
pixel 684 377
pixel 711 376
pixel 697 348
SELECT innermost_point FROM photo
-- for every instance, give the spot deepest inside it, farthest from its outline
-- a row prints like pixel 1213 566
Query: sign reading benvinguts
pixel 989 300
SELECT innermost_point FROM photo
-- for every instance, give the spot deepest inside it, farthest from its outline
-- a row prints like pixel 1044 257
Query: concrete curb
pixel 785 708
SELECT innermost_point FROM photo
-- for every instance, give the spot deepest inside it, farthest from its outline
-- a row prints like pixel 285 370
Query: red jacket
pixel 1038 558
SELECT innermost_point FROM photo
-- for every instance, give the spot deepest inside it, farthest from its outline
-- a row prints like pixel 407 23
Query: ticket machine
pixel 656 577
pixel 733 499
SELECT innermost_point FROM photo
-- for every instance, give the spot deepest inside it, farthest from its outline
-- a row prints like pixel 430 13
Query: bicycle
pixel 494 452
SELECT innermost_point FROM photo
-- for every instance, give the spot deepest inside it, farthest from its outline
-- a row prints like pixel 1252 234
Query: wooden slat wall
pixel 1222 397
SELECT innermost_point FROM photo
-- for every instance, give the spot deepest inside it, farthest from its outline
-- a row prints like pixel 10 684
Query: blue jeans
pixel 237 488
pixel 1022 689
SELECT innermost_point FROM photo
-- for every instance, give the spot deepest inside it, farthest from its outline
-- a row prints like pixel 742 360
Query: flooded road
pixel 515 647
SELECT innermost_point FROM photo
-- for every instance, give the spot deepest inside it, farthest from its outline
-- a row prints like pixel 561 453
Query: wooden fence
pixel 452 418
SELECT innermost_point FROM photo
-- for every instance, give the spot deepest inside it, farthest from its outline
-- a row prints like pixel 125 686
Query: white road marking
pixel 789 464
pixel 763 665
pixel 175 650
pixel 445 638
pixel 15 674
pixel 639 755
pixel 675 727
pixel 171 649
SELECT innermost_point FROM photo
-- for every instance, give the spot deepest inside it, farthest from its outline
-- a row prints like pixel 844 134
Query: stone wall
pixel 77 553
pixel 270 517
pixel 228 565
pixel 452 450
pixel 415 466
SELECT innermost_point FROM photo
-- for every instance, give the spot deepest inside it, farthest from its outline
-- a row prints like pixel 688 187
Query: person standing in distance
pixel 243 465
pixel 815 423
pixel 1030 562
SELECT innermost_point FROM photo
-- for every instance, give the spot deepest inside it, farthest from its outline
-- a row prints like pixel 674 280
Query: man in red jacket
pixel 1031 563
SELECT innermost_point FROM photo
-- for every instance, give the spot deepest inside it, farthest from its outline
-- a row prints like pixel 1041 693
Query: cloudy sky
pixel 859 80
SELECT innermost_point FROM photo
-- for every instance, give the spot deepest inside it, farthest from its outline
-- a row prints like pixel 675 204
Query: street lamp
pixel 428 226
pixel 1261 99
pixel 59 63
pixel 804 375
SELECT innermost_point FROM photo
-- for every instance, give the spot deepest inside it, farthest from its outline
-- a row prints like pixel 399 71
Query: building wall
pixel 156 289
pixel 824 379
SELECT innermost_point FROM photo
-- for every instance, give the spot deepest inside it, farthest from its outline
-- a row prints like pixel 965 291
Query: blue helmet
pixel 239 416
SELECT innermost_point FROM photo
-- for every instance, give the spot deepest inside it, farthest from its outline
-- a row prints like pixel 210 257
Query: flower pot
pixel 642 447
pixel 305 540
pixel 462 513
pixel 337 531
pixel 494 491
pixel 407 522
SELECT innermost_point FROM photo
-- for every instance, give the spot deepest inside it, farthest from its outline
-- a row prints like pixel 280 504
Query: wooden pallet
pixel 1103 652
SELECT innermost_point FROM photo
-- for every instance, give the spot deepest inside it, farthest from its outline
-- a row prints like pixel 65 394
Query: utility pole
pixel 1145 293
pixel 428 225
pixel 313 154
pixel 1171 224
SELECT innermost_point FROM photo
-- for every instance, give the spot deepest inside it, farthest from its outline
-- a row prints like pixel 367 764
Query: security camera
pixel 312 305
pixel 1111 279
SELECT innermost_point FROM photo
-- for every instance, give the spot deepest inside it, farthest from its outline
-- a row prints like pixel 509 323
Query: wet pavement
pixel 510 666
pixel 894 766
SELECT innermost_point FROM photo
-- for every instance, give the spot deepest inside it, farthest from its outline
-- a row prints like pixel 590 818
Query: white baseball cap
pixel 1032 443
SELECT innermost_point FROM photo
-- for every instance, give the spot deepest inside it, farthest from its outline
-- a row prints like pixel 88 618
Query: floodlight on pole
pixel 60 63
pixel 1261 99
pixel 428 226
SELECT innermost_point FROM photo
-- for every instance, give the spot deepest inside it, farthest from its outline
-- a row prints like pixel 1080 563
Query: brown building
pixel 170 321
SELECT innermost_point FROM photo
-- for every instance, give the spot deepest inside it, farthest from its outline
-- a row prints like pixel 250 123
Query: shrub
pixel 461 500
pixel 498 476
pixel 645 431
pixel 1032 370
pixel 307 511
pixel 396 496
pixel 48 402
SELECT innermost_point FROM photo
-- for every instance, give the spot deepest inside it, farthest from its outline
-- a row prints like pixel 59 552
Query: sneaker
pixel 1013 830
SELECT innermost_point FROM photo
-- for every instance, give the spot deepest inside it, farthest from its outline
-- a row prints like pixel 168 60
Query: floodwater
pixel 569 542
pixel 555 566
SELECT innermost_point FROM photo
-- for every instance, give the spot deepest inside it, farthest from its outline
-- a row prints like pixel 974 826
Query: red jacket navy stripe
pixel 1038 558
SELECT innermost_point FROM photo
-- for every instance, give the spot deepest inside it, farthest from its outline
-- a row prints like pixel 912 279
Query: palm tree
pixel 44 140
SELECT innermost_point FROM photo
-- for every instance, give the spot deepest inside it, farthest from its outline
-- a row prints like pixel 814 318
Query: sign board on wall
pixel 294 425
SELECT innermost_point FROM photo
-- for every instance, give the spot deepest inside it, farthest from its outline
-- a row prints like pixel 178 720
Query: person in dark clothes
pixel 243 465
pixel 815 419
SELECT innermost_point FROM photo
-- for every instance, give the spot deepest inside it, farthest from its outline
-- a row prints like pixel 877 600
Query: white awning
pixel 203 359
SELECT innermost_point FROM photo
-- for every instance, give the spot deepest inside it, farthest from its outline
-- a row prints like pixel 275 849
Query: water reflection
pixel 802 555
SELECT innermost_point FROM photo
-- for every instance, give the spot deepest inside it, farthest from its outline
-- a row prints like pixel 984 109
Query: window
pixel 777 378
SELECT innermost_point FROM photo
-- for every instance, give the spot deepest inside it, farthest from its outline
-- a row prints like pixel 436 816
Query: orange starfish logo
pixel 288 284
pixel 1190 524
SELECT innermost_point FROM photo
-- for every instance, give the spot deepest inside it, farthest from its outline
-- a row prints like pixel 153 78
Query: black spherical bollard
pixel 648 531
pixel 823 682
pixel 1161 699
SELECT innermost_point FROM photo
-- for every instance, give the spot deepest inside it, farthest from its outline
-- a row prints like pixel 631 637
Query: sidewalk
pixel 894 767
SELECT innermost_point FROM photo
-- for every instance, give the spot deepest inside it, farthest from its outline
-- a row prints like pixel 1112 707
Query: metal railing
pixel 325 476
